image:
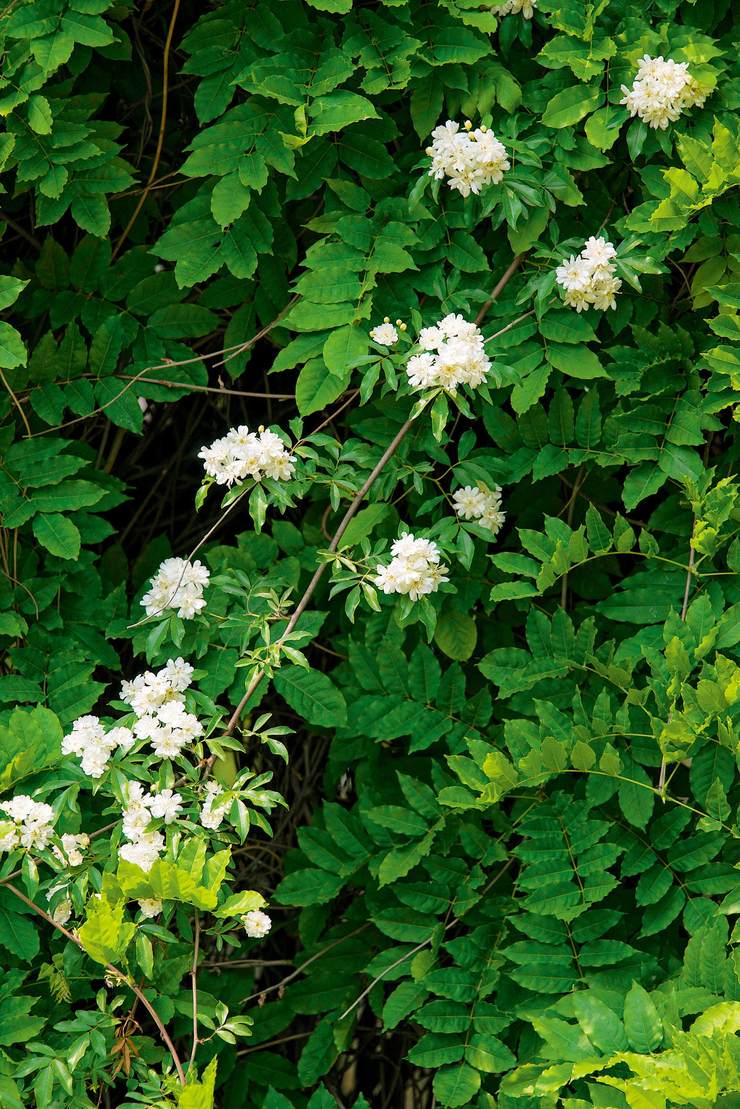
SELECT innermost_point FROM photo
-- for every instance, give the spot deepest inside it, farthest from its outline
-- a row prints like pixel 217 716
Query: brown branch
pixel 500 286
pixel 211 388
pixel 160 137
pixel 116 974
pixel 509 326
pixel 16 402
pixel 17 227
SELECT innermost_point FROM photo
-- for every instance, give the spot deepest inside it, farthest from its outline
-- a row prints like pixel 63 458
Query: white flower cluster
pixel 590 279
pixel 514 7
pixel 661 91
pixel 158 701
pixel 71 851
pixel 385 333
pixel 93 745
pixel 211 812
pixel 29 823
pixel 414 569
pixel 476 502
pixel 177 584
pixel 256 924
pixel 453 355
pixel 145 847
pixel 243 453
pixel 469 159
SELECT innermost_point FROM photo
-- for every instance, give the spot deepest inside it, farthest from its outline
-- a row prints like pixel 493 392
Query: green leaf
pixel 567 327
pixel 92 214
pixel 308 887
pixel 574 361
pixel 456 1085
pixel 455 634
pixel 199 1094
pixel 10 289
pixel 17 933
pixel 405 999
pixel 343 347
pixel 602 128
pixel 30 740
pixel 193 879
pixel 105 935
pixel 318 1055
pixel 571 105
pixel 600 1023
pixel 487 1053
pixel 339 109
pixel 641 1020
pixel 316 387
pixel 12 348
pixel 58 534
pixel 312 695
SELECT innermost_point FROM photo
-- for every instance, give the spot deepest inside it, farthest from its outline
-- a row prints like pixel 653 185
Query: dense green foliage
pixel 507 866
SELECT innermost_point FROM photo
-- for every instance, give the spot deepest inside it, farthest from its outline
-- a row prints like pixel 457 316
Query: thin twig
pixel 194 983
pixel 500 285
pixel 16 402
pixel 509 326
pixel 18 228
pixel 455 920
pixel 684 609
pixel 319 573
pixel 299 970
pixel 211 388
pixel 162 126
pixel 116 973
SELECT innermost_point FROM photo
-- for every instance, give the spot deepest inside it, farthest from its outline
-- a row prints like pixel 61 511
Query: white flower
pixel 178 674
pixel 166 805
pixel 590 280
pixel 242 453
pixel 211 814
pixel 414 568
pixel 148 692
pixel 30 823
pixel 469 159
pixel 256 924
pixel 150 907
pixel 514 7
pixel 70 853
pixel 661 91
pixel 178 584
pixel 94 746
pixel 123 738
pixel 477 502
pixel 62 912
pixel 144 852
pixel 453 355
pixel 169 729
pixel 385 334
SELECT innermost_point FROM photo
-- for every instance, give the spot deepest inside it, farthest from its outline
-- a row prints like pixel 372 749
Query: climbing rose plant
pixel 368 554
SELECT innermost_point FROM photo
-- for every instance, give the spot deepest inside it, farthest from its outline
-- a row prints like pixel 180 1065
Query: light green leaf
pixel 641 1020
pixel 571 105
